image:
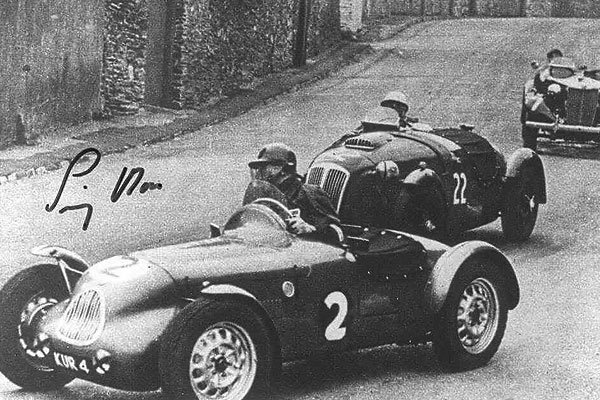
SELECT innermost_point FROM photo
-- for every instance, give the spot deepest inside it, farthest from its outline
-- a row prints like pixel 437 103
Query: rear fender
pixel 448 265
pixel 527 158
pixel 72 265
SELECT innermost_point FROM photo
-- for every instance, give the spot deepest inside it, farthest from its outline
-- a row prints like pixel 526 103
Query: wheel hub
pixel 223 364
pixel 477 316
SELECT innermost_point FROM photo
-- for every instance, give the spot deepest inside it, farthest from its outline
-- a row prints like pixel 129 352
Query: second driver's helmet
pixel 276 154
pixel 395 100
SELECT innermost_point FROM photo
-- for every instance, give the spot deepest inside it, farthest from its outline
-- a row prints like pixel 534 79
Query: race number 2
pixel 334 330
pixel 461 186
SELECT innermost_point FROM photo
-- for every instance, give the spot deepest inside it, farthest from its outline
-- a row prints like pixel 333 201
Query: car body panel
pixel 316 297
pixel 570 111
pixel 464 167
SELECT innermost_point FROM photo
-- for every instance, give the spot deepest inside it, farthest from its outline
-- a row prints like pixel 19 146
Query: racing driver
pixel 276 164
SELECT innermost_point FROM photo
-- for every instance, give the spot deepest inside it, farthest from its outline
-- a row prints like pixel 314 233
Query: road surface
pixel 454 71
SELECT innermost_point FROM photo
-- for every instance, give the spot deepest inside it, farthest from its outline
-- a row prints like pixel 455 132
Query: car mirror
pixel 535 64
pixel 412 120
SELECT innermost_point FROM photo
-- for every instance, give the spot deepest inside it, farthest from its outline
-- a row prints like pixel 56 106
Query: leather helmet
pixel 276 154
pixel 392 99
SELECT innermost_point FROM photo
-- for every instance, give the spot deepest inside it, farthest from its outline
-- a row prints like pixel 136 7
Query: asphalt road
pixel 453 71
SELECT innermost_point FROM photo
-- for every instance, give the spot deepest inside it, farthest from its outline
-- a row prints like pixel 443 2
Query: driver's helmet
pixel 276 154
pixel 395 100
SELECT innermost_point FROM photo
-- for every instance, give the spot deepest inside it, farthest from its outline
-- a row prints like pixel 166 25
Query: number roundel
pixel 335 330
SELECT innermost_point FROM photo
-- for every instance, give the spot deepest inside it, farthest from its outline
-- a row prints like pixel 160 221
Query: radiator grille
pixel 83 320
pixel 332 179
pixel 581 106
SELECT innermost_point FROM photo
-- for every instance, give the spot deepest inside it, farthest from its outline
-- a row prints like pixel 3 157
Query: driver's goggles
pixel 264 171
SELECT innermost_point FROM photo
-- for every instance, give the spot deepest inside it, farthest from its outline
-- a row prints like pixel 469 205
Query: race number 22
pixel 335 330
pixel 461 186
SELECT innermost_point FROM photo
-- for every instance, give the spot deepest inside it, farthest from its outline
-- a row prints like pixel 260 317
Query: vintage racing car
pixel 215 318
pixel 560 104
pixel 432 182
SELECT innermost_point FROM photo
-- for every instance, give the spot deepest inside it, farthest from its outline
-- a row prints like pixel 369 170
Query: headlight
pixel 554 89
pixel 387 169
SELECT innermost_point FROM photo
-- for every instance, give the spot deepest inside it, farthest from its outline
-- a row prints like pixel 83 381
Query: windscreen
pixel 257 224
pixel 561 72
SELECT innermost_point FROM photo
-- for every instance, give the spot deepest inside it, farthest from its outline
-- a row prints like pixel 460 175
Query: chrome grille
pixel 332 179
pixel 581 106
pixel 83 320
pixel 359 143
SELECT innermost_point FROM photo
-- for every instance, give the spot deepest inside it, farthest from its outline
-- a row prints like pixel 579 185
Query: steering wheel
pixel 276 206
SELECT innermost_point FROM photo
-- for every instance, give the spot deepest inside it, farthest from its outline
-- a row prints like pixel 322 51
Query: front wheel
pixel 218 349
pixel 24 300
pixel 529 136
pixel 520 209
pixel 470 326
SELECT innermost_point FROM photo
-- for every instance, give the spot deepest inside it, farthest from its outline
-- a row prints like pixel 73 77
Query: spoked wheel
pixel 223 362
pixel 218 349
pixel 520 210
pixel 24 301
pixel 477 316
pixel 469 328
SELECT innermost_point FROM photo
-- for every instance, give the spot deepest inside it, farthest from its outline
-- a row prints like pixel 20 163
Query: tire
pixel 520 209
pixel 529 136
pixel 192 348
pixel 462 340
pixel 30 292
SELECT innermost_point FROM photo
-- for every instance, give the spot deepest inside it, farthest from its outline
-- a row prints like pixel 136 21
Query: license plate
pixel 72 363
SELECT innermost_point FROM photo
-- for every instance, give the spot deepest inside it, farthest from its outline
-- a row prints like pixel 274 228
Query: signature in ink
pixel 136 174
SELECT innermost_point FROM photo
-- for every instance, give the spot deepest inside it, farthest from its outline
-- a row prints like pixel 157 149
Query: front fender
pixel 527 158
pixel 448 265
pixel 240 294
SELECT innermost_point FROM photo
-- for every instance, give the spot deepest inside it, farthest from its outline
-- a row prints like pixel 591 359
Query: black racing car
pixel 433 182
pixel 215 318
pixel 560 105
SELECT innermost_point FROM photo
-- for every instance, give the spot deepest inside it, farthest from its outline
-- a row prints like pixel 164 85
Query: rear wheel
pixel 24 300
pixel 520 208
pixel 218 349
pixel 470 326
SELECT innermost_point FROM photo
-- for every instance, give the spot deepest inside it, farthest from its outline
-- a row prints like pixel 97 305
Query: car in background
pixel 560 105
pixel 215 318
pixel 432 182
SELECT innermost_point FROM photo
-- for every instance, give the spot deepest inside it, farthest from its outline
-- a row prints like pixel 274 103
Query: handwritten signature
pixel 136 174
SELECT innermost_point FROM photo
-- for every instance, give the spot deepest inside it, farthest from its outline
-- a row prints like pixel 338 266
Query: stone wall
pixel 484 8
pixel 227 44
pixel 50 65
pixel 123 63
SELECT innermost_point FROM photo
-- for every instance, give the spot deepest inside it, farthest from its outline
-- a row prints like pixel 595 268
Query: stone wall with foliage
pixel 324 26
pixel 227 44
pixel 50 65
pixel 123 66
pixel 484 8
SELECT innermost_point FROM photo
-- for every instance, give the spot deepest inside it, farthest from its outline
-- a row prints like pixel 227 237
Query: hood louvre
pixel 359 143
